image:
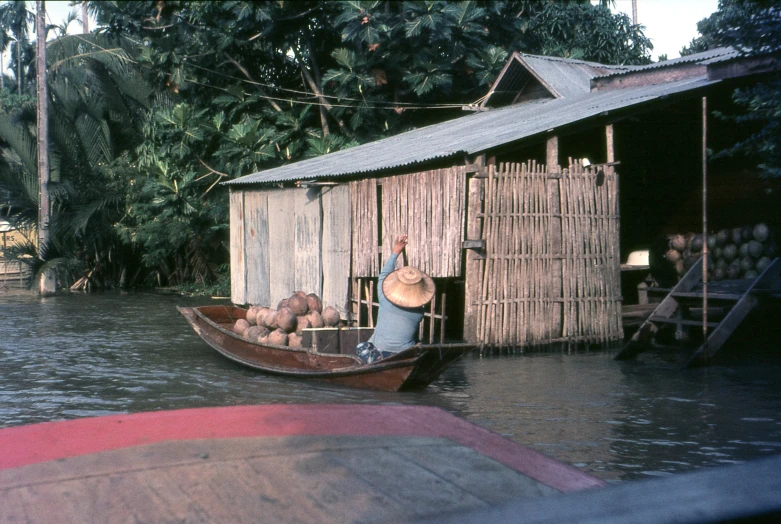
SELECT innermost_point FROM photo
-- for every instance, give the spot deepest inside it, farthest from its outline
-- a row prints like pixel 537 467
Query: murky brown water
pixel 78 356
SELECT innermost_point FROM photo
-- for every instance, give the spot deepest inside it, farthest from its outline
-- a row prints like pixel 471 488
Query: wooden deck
pixel 281 463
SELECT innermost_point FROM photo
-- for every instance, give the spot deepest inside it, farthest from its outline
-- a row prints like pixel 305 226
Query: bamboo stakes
pixel 519 299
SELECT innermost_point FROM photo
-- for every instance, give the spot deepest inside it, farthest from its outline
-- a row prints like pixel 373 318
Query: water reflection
pixel 68 357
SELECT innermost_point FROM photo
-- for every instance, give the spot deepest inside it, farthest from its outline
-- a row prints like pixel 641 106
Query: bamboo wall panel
pixel 592 288
pixel 430 208
pixel 551 267
pixel 256 247
pixel 238 273
pixel 337 227
pixel 282 243
pixel 365 254
pixel 307 259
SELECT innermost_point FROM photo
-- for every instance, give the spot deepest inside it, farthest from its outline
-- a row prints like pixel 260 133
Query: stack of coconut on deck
pixel 284 326
pixel 741 252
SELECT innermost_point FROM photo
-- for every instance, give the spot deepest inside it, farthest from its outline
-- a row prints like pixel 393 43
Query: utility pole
pixel 634 12
pixel 48 282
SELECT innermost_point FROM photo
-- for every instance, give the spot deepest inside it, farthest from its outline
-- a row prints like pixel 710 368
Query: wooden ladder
pixel 682 307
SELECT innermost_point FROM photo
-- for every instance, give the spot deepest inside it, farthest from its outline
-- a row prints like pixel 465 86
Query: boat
pixel 412 369
pixel 271 463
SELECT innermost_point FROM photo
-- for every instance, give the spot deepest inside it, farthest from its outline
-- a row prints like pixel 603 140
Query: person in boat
pixel 402 294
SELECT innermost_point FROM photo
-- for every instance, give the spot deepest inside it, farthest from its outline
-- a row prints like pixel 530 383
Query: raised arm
pixel 390 264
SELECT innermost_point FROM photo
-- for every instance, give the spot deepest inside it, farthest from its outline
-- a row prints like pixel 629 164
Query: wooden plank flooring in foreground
pixel 281 463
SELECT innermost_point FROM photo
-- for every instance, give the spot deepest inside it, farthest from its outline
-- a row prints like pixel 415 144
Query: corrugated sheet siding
pixel 428 207
pixel 364 219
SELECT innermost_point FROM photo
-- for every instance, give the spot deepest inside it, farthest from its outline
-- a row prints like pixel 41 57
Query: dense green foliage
pixel 753 27
pixel 173 97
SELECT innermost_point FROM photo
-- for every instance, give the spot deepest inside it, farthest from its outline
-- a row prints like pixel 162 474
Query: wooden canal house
pixel 522 236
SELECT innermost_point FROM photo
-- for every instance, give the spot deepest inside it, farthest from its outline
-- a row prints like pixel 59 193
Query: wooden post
pixel 442 320
pixel 611 155
pixel 552 155
pixel 370 302
pixel 555 328
pixel 433 312
pixel 554 239
pixel 705 227
pixel 472 275
pixel 48 282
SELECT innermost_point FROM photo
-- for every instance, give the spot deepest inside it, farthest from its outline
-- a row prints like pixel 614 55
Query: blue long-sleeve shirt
pixel 397 327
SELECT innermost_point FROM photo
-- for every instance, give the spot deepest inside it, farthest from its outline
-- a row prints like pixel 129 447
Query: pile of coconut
pixel 740 252
pixel 284 326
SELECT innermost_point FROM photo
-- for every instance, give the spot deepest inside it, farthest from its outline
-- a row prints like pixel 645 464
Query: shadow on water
pixel 75 356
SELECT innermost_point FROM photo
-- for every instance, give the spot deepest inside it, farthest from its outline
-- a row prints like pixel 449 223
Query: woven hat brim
pixel 408 295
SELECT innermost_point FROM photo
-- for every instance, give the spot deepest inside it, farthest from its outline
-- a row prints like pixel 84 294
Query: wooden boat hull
pixel 414 368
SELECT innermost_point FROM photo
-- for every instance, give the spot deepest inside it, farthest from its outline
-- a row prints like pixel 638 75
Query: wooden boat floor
pixel 283 477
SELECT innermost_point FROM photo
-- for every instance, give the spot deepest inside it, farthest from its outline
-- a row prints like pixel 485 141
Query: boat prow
pixel 413 368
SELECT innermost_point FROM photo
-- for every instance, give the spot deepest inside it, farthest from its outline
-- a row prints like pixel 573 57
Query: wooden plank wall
pixel 256 257
pixel 282 243
pixel 336 238
pixel 237 255
pixel 551 268
pixel 308 268
pixel 284 240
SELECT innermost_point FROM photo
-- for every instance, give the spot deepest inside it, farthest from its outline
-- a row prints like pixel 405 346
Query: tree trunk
pixel 48 282
pixel 249 77
pixel 84 19
pixel 19 67
pixel 313 86
pixel 318 81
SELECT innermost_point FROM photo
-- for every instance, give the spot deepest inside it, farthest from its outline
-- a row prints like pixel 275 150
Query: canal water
pixel 78 356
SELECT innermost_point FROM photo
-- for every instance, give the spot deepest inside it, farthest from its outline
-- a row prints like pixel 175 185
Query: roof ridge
pixel 575 61
pixel 703 56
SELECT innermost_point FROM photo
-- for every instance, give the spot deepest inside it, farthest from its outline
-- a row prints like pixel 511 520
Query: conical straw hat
pixel 408 287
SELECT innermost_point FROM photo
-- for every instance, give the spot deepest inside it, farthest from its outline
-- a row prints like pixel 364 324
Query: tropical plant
pixel 15 19
pixel 753 27
pixel 96 108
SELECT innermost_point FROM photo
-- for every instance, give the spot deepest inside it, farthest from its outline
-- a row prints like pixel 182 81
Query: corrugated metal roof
pixel 566 76
pixel 712 56
pixel 470 134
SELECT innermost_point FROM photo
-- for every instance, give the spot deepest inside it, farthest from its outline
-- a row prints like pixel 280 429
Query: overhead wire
pixel 391 105
pixel 412 105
